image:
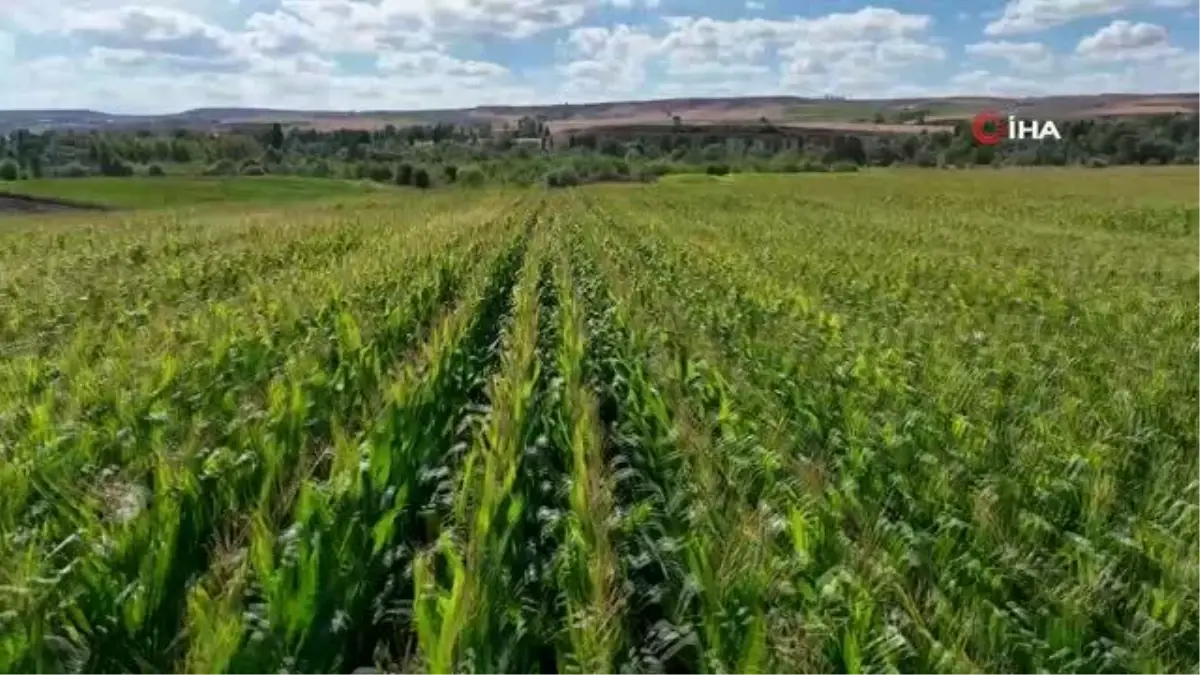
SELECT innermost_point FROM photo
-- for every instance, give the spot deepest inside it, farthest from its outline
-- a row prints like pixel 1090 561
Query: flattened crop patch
pixel 12 203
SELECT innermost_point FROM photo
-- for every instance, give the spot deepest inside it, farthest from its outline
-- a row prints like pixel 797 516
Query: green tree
pixel 275 139
pixel 404 174
pixel 9 170
pixel 380 172
pixel 471 176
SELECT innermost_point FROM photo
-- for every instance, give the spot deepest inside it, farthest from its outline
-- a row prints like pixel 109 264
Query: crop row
pixel 613 430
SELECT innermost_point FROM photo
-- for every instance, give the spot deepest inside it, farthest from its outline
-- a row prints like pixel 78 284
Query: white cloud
pixel 137 52
pixel 850 51
pixel 40 16
pixel 720 70
pixel 1028 16
pixel 138 55
pixel 1126 41
pixel 610 60
pixel 440 65
pixel 1025 56
pixel 1178 74
pixel 362 26
pixel 179 38
pixel 59 82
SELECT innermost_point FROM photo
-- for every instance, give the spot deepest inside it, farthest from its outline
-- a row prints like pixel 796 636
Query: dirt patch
pixel 12 203
pixel 693 116
pixel 1137 109
pixel 869 127
pixel 625 128
pixel 354 123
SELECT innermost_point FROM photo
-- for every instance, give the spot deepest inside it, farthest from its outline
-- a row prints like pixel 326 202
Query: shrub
pixel 155 170
pixel 404 174
pixel 320 169
pixel 561 178
pixel 657 169
pixel 451 173
pixel 224 167
pixel 810 165
pixel 73 170
pixel 420 178
pixel 381 173
pixel 117 168
pixel 9 170
pixel 271 156
pixel 717 170
pixel 471 176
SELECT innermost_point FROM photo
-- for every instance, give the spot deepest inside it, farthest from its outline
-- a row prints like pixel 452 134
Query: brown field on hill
pixel 1155 107
pixel 818 113
pixel 355 123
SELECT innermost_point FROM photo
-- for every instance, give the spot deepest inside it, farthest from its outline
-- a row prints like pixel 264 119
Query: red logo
pixel 989 128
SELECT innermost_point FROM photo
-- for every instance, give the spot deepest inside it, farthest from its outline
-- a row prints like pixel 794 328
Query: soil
pixel 11 203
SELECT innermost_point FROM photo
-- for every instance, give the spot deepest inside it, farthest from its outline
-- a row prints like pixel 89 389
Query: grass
pixel 178 191
pixel 830 111
pixel 888 421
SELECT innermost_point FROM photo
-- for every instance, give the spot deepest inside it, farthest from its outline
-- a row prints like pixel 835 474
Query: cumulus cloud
pixel 1028 16
pixel 1025 56
pixel 609 60
pixel 1181 75
pixel 129 34
pixel 137 54
pixel 1127 41
pixel 358 25
pixel 436 62
pixel 818 54
pixel 39 16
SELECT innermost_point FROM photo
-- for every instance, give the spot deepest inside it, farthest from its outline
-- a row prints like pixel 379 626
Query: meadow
pixel 186 191
pixel 917 421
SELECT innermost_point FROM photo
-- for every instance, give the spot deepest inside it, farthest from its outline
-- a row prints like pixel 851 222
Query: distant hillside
pixel 779 110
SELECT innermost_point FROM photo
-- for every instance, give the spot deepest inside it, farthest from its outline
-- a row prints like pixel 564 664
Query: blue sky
pixel 166 55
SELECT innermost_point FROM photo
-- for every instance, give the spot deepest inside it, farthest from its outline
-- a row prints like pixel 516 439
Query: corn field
pixel 853 423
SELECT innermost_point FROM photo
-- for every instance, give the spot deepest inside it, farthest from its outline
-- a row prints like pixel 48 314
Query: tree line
pixel 525 152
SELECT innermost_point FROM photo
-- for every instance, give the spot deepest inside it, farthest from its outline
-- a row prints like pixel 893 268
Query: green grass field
pixel 180 191
pixel 920 421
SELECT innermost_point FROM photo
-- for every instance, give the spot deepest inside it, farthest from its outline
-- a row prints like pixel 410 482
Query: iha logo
pixel 989 128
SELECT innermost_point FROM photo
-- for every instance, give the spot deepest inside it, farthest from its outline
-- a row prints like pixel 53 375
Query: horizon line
pixel 483 106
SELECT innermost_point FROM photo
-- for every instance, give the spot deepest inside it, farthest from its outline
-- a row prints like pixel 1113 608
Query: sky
pixel 156 56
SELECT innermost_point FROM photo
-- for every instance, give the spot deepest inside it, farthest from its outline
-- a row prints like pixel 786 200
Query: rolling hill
pixel 780 110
